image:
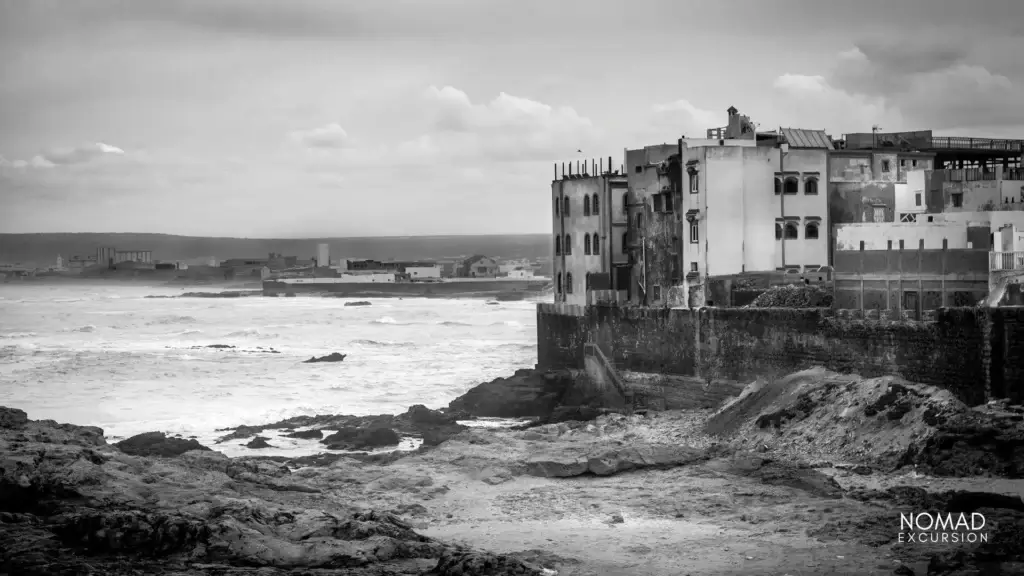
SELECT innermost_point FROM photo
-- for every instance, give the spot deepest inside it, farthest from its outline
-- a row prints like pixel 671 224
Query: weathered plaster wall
pixel 803 208
pixel 975 353
pixel 657 262
pixel 879 236
pixel 576 225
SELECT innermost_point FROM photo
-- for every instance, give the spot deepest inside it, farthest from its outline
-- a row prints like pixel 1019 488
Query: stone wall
pixel 976 353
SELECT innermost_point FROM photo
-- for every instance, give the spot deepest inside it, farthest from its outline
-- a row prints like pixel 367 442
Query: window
pixel 913 163
pixel 558 245
pixel 557 202
pixel 791 231
pixel 920 244
pixel 567 246
pixel 586 244
pixel 778 186
pixel 657 202
pixel 909 218
pixel 568 283
pixel 778 231
pixel 639 221
pixel 694 182
pixel 888 245
pixel 638 169
pixel 558 284
pixel 903 163
pixel 693 266
pixel 886 166
pixel 586 281
pixel 668 202
pixel 625 201
pixel 791 186
pixel 694 233
pixel 917 199
pixel 586 205
pixel 958 200
pixel 811 186
pixel 811 231
pixel 595 206
pixel 596 246
pixel 625 242
pixel 879 213
pixel 656 292
pixel 565 208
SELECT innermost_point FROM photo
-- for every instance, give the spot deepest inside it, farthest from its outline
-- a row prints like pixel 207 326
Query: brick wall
pixel 975 353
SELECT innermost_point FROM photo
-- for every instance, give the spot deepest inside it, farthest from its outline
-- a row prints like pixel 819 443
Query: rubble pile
pixel 793 296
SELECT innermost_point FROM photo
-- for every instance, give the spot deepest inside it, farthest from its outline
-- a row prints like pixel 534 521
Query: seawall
pixel 976 353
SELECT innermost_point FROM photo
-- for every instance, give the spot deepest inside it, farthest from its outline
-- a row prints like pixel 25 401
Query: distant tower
pixel 60 261
pixel 323 254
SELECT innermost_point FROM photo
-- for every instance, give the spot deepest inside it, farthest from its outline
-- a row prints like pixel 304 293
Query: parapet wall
pixel 976 353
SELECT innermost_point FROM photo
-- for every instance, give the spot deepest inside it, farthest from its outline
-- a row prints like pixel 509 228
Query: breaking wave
pixel 172 320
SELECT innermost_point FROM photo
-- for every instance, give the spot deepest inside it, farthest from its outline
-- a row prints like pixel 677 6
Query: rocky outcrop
pixel 603 461
pixel 71 504
pixel 362 438
pixel 985 441
pixel 359 303
pixel 332 357
pixel 528 393
pixel 157 444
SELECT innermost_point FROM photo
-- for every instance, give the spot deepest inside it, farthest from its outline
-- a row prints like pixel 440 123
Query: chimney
pixel 601 165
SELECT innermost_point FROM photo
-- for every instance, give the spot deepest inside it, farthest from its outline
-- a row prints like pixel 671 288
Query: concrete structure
pixel 109 256
pixel 521 273
pixel 79 263
pixel 589 227
pixel 479 266
pixel 323 254
pixel 899 236
pixel 418 272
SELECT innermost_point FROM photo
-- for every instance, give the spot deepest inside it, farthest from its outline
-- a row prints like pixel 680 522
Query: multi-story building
pixel 589 224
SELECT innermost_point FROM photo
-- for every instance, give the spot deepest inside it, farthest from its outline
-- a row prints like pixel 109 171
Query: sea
pixel 106 355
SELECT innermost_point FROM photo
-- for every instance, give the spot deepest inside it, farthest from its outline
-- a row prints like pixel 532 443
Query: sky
pixel 314 118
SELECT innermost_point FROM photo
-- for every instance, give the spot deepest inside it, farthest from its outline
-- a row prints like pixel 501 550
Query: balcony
pixel 959 143
pixel 1005 261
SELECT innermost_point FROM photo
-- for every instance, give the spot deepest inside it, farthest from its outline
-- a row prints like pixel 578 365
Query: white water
pixel 107 356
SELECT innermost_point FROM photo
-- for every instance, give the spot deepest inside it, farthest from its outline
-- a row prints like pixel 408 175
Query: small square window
pixel 639 169
pixel 693 266
pixel 886 166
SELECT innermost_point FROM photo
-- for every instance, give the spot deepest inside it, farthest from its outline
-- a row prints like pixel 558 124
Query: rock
pixel 525 394
pixel 332 357
pixel 307 434
pixel 361 438
pixel 358 303
pixel 605 462
pixel 157 444
pixel 471 563
pixel 259 442
pixel 616 519
pixel 221 346
pixel 12 418
pixel 980 442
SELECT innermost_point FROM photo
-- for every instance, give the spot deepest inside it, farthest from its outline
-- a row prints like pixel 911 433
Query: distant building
pixel 479 266
pixel 421 272
pixel 323 255
pixel 110 257
pixel 521 273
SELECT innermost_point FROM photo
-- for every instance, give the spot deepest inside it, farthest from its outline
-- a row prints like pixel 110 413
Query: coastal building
pixel 588 231
pixel 910 268
pixel 422 272
pixel 521 273
pixel 323 254
pixel 479 266
pixel 78 263
pixel 448 268
pixel 110 257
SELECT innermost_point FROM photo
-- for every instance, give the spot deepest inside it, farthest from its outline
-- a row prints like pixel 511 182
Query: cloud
pixel 923 83
pixel 65 156
pixel 682 118
pixel 811 101
pixel 330 136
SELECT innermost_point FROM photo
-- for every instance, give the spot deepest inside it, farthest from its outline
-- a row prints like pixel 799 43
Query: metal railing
pixel 1005 261
pixel 960 143
pixel 1013 174
pixel 969 174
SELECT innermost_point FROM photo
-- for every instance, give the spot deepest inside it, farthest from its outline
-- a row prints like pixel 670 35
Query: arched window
pixel 791 186
pixel 778 186
pixel 568 283
pixel 557 202
pixel 811 231
pixel 558 284
pixel 791 231
pixel 586 244
pixel 558 245
pixel 596 245
pixel 811 186
pixel 595 206
pixel 625 242
pixel 778 231
pixel 567 245
pixel 625 201
pixel 586 205
pixel 565 207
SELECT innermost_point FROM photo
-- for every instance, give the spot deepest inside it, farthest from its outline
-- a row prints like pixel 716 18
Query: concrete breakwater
pixel 976 353
pixel 451 289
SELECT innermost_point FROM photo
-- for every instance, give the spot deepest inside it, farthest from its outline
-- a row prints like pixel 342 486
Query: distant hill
pixel 41 249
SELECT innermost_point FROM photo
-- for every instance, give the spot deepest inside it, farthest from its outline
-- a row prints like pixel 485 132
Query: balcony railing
pixel 960 143
pixel 1013 174
pixel 969 174
pixel 998 261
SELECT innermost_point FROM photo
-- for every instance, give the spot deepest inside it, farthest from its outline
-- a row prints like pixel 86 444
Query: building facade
pixel 588 228
pixel 479 266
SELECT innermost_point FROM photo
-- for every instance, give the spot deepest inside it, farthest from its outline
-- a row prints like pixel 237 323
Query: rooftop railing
pixel 961 143
pixel 999 261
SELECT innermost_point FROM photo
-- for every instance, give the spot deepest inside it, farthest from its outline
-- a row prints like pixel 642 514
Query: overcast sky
pixel 304 118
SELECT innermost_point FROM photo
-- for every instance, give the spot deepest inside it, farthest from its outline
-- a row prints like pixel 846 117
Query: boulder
pixel 528 393
pixel 361 438
pixel 12 418
pixel 157 444
pixel 332 357
pixel 358 303
pixel 258 442
pixel 307 434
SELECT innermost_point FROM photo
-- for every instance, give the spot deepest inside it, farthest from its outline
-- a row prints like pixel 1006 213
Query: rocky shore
pixel 806 475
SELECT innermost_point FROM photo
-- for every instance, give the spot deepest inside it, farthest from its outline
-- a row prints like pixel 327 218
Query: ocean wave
pixel 369 342
pixel 172 320
pixel 86 328
pixel 66 300
pixel 187 333
pixel 453 323
pixel 512 323
pixel 392 321
pixel 13 335
pixel 250 333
